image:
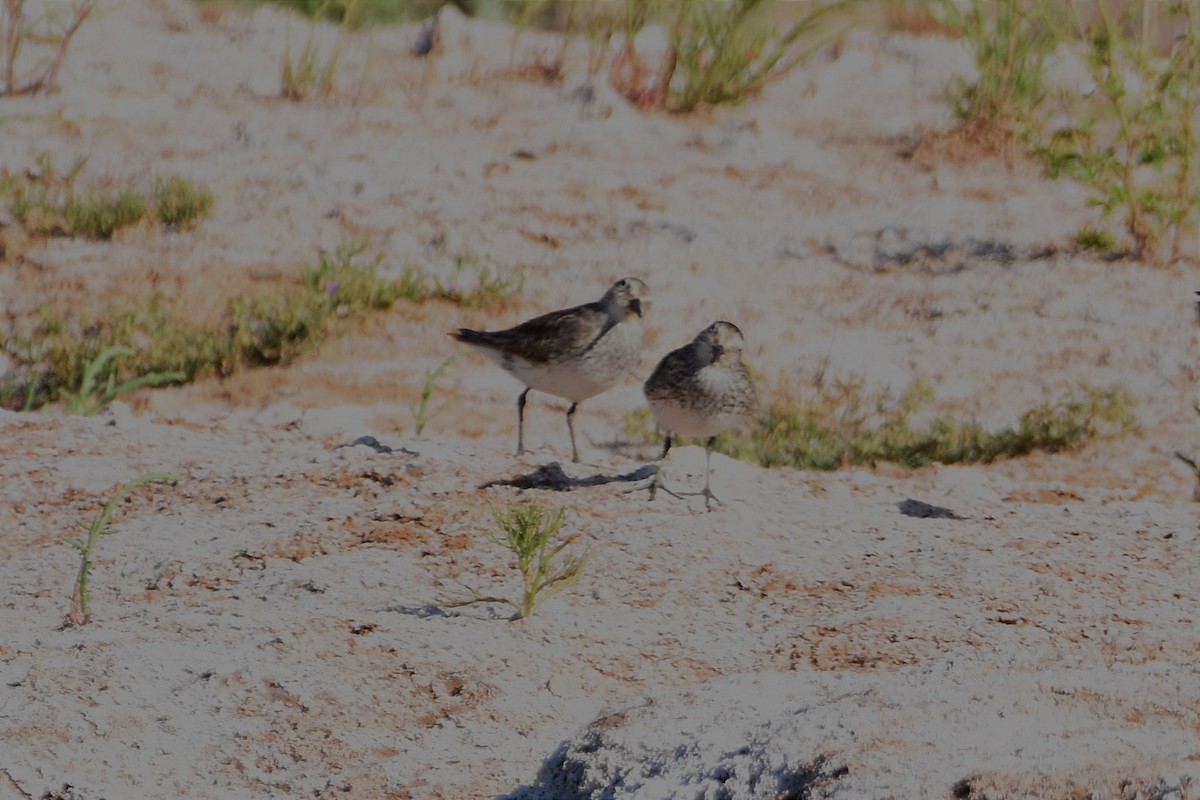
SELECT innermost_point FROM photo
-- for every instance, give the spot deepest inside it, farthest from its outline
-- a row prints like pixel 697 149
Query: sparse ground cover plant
pixel 1010 41
pixel 93 395
pixel 310 71
pixel 1132 138
pixel 35 47
pixel 350 283
pixel 725 52
pixel 97 213
pixel 80 613
pixel 313 70
pixel 475 285
pixel 83 361
pixel 46 202
pixel 717 52
pixel 848 424
pixel 1128 132
pixel 528 531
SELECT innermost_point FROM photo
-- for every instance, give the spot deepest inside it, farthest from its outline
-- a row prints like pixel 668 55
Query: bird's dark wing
pixel 549 337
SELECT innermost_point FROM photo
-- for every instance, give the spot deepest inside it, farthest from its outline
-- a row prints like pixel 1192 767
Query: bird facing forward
pixel 575 353
pixel 700 390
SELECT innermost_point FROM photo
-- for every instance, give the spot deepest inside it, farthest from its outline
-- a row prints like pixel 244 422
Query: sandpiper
pixel 575 353
pixel 701 389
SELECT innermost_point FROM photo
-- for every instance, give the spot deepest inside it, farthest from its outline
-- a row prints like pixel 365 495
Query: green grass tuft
pixel 1010 40
pixel 1096 240
pixel 179 202
pixel 98 214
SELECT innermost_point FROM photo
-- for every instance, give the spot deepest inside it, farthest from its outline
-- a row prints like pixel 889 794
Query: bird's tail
pixel 468 336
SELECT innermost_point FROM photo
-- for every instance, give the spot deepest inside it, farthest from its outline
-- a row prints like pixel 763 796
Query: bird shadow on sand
pixel 553 478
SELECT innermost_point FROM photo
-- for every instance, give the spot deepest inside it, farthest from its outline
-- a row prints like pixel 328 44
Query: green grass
pixel 848 425
pixel 80 613
pixel 92 396
pixel 180 202
pixel 85 363
pixel 348 284
pixel 310 72
pixel 475 285
pixel 1129 132
pixel 725 52
pixel 1010 40
pixel 97 213
pixel 718 52
pixel 48 203
pixel 1097 240
pixel 1132 137
pixel 528 531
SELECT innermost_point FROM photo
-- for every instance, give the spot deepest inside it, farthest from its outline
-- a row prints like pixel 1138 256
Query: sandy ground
pixel 267 627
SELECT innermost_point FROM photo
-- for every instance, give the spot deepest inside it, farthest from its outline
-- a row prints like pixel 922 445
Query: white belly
pixel 569 381
pixel 578 376
pixel 686 421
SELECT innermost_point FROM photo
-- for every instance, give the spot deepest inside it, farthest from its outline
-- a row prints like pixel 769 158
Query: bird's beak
pixel 636 306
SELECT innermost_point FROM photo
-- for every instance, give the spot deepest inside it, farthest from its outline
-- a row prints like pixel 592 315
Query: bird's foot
pixel 706 493
pixel 654 485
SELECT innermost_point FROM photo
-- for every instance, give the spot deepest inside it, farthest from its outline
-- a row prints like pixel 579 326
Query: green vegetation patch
pixel 48 203
pixel 849 425
pixel 89 363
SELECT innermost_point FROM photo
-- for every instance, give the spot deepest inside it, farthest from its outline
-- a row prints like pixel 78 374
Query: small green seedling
pixel 92 396
pixel 420 410
pixel 529 532
pixel 80 613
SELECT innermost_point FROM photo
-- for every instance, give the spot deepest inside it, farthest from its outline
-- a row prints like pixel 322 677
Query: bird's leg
pixel 571 428
pixel 708 448
pixel 706 492
pixel 521 422
pixel 656 481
